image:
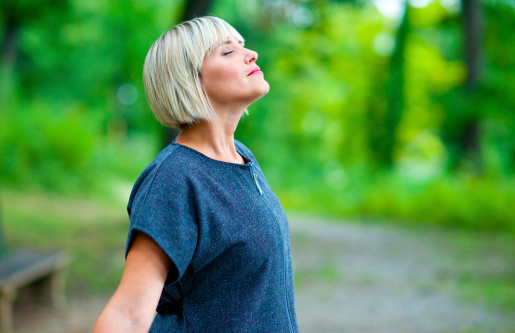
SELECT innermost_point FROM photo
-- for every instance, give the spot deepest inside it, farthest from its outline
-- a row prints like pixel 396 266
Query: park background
pixel 380 111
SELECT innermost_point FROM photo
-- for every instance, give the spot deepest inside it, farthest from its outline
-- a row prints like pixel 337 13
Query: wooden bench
pixel 38 276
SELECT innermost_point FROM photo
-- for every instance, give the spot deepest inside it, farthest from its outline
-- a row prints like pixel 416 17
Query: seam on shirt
pixel 158 167
pixel 135 224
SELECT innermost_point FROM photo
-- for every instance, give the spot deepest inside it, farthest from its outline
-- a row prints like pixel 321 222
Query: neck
pixel 214 138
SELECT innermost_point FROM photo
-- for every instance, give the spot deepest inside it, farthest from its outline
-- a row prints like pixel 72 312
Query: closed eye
pixel 227 53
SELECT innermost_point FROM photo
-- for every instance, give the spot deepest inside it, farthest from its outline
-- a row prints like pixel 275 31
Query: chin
pixel 262 92
pixel 265 89
pixel 258 92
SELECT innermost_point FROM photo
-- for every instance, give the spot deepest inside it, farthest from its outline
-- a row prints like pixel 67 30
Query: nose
pixel 251 56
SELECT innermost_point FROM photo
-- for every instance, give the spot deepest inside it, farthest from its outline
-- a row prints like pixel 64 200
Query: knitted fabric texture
pixel 228 238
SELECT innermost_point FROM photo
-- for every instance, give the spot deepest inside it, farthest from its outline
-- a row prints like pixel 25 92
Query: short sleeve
pixel 162 206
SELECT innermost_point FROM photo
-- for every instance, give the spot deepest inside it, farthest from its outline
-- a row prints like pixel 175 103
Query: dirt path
pixel 351 278
pixel 376 278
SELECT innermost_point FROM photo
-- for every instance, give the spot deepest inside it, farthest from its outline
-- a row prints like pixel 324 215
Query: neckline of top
pixel 247 160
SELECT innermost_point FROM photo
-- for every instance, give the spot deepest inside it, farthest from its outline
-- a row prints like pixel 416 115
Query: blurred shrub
pixel 44 146
pixel 63 148
pixel 468 202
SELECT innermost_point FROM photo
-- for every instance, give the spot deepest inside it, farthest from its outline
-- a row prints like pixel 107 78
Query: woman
pixel 208 244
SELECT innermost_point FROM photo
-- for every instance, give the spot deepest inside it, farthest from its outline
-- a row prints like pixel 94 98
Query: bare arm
pixel 132 307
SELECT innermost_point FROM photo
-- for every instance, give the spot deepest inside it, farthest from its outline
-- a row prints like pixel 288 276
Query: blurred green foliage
pixel 74 116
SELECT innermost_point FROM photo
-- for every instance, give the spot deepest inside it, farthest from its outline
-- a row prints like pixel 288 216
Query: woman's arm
pixel 133 305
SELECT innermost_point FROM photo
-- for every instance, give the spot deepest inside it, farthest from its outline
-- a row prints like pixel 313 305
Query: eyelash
pixel 227 53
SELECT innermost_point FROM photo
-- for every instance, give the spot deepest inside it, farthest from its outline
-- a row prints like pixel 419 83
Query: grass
pixel 304 277
pixel 92 230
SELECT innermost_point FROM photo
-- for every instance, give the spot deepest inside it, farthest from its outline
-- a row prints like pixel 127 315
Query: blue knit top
pixel 228 238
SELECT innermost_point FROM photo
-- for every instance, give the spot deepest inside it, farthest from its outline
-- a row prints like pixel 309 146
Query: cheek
pixel 228 76
pixel 218 71
pixel 221 80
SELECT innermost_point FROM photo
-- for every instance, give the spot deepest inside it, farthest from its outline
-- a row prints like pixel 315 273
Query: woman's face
pixel 231 77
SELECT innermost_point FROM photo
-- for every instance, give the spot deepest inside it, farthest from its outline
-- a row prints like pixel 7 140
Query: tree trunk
pixel 196 8
pixel 471 135
pixel 9 45
pixel 396 88
pixel 9 58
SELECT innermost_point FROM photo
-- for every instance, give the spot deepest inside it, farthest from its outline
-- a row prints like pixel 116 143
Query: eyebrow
pixel 229 41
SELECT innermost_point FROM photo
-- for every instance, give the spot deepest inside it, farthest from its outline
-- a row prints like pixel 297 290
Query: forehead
pixel 224 42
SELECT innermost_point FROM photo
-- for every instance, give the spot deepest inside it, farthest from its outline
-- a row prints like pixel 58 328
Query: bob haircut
pixel 173 66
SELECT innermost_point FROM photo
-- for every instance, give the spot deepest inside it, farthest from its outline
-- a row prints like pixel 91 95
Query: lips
pixel 254 71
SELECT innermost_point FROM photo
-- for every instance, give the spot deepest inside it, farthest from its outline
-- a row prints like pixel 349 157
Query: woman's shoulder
pixel 242 149
pixel 169 159
pixel 168 171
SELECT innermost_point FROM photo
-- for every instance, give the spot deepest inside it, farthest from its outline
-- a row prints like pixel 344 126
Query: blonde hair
pixel 172 70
